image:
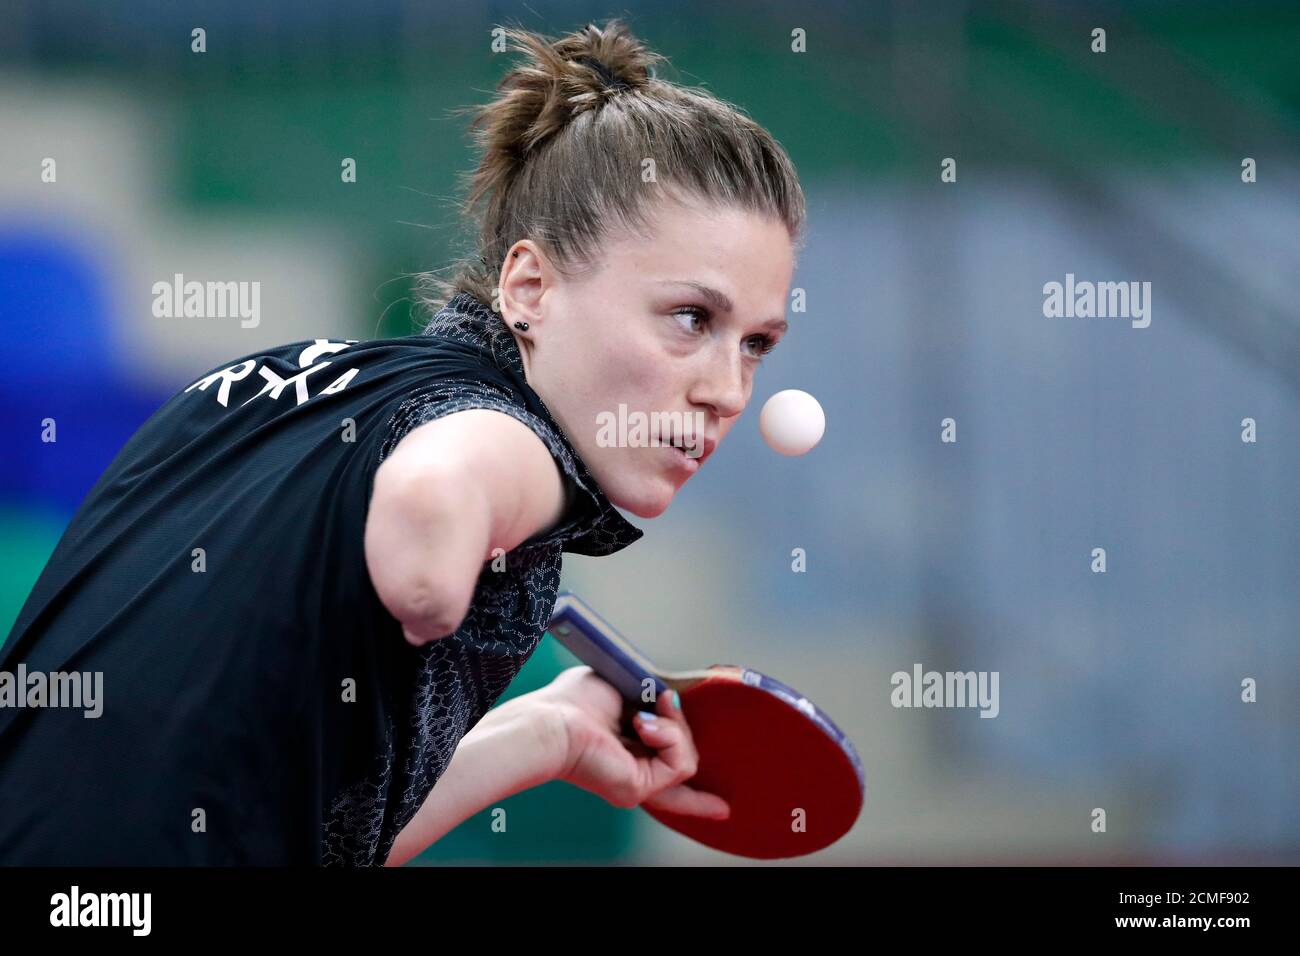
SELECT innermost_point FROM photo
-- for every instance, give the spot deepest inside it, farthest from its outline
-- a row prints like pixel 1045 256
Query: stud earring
pixel 522 326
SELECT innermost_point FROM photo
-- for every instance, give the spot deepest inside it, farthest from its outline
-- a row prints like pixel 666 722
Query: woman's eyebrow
pixel 721 302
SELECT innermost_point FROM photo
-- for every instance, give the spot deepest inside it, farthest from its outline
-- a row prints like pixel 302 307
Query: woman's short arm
pixel 453 491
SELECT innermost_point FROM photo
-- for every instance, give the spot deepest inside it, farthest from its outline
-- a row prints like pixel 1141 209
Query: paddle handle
pixel 596 643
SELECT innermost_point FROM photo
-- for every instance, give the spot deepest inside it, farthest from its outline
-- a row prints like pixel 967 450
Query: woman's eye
pixel 756 345
pixel 692 313
pixel 762 344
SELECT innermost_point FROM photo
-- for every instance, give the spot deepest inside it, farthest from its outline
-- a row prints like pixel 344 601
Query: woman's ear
pixel 524 276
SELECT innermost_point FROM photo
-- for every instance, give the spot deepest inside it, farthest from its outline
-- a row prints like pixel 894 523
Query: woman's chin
pixel 646 500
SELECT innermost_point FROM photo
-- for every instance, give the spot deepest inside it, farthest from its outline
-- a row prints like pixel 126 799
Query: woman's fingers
pixel 690 802
pixel 636 747
pixel 674 759
pixel 671 736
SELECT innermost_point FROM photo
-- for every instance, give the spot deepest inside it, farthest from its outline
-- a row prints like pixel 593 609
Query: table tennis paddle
pixel 763 747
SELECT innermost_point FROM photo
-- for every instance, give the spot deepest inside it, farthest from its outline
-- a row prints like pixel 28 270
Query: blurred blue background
pixel 1119 690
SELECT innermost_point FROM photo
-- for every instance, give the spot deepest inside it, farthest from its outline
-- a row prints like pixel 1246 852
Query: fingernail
pixel 677 700
pixel 647 716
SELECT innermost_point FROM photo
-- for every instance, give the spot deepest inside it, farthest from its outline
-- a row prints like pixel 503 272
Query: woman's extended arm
pixel 517 745
pixel 568 730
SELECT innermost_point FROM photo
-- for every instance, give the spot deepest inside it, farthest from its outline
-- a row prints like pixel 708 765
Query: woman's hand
pixel 627 773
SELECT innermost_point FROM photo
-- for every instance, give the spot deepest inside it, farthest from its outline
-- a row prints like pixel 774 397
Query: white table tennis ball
pixel 792 422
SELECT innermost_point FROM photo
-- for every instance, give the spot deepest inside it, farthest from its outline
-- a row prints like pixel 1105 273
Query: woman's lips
pixel 683 460
pixel 698 449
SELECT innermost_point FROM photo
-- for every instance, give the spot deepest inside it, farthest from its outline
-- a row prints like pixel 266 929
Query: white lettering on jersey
pixel 274 383
pixel 341 382
pixel 321 347
pixel 227 376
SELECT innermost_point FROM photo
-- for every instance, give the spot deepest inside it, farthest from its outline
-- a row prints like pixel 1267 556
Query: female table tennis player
pixel 286 577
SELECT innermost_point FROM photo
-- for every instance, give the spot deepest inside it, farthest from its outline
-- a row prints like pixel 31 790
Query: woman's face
pixel 671 328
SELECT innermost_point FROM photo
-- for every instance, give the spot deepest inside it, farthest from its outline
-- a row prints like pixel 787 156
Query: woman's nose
pixel 723 386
